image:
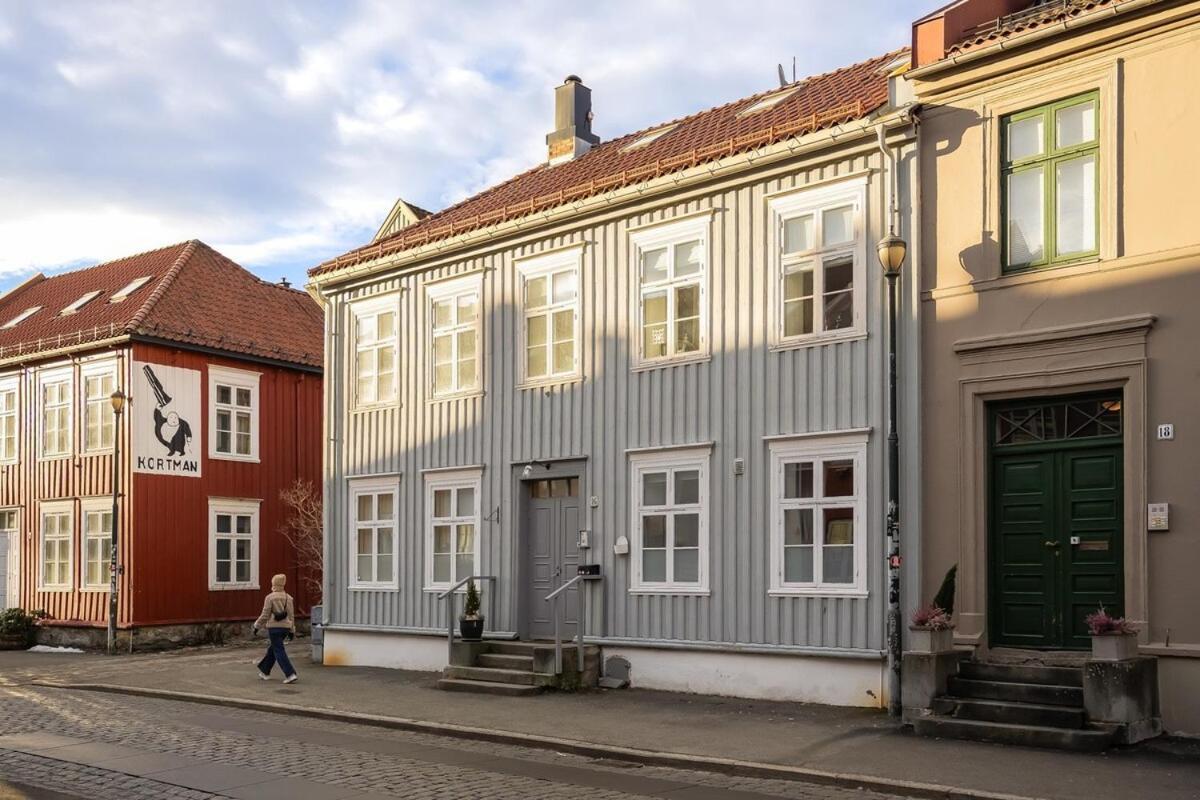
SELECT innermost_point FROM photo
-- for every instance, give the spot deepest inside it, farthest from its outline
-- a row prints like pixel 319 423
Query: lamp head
pixel 118 401
pixel 892 250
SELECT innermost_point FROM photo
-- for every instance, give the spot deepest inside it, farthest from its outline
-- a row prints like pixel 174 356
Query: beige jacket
pixel 277 601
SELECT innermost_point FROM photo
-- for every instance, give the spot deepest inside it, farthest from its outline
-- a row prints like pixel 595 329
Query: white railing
pixel 553 597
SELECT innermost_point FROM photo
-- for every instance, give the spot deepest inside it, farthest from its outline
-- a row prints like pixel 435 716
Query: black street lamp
pixel 118 406
pixel 892 250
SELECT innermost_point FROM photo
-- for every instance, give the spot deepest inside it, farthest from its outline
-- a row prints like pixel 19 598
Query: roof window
pixel 80 303
pixel 770 101
pixel 129 289
pixel 647 138
pixel 19 318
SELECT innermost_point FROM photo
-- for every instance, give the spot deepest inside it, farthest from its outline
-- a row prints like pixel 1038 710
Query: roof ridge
pixel 164 284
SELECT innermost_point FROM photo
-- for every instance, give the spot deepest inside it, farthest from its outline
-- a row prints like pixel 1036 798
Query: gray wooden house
pixel 661 355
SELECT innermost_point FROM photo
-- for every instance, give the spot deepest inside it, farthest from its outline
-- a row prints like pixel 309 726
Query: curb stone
pixel 728 766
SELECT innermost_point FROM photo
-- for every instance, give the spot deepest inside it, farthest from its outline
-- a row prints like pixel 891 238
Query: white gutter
pixel 673 182
pixel 1020 40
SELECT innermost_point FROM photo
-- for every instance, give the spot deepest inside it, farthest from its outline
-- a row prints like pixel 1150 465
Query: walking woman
pixel 279 615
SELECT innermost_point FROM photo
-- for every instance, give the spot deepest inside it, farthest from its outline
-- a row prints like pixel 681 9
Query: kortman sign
pixel 165 415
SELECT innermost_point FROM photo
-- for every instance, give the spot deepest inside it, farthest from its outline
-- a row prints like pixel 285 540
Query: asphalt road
pixel 64 743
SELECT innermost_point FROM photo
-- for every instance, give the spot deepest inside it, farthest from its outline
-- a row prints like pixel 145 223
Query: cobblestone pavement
pixel 320 759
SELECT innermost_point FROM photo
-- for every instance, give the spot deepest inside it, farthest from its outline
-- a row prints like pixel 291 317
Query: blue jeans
pixel 276 653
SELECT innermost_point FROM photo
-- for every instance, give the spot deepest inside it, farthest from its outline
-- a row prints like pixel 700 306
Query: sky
pixel 281 132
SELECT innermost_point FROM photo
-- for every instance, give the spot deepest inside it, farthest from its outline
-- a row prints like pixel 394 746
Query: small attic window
pixel 129 289
pixel 770 101
pixel 19 318
pixel 80 303
pixel 647 138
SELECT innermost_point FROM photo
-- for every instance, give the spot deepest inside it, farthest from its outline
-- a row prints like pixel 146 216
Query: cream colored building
pixel 1059 255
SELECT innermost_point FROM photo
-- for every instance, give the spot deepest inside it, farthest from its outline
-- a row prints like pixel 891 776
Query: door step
pixel 487 687
pixel 1091 740
pixel 1021 673
pixel 505 661
pixel 491 675
pixel 1011 713
pixel 1040 693
pixel 517 668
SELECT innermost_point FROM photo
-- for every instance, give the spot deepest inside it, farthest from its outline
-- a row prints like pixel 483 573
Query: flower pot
pixel 1114 647
pixel 471 629
pixel 15 641
pixel 929 640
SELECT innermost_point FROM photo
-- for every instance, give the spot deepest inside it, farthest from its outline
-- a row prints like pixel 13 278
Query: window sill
pixel 671 590
pixel 1004 280
pixel 228 457
pixel 819 340
pixel 440 589
pixel 817 592
pixel 364 409
pixel 58 457
pixel 94 589
pixel 55 589
pixel 100 451
pixel 234 587
pixel 550 383
pixel 446 398
pixel 374 587
pixel 648 366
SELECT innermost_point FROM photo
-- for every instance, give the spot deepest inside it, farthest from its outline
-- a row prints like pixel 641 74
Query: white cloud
pixel 282 133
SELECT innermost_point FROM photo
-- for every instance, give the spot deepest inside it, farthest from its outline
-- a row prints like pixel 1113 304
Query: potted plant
pixel 1113 638
pixel 470 624
pixel 930 631
pixel 16 629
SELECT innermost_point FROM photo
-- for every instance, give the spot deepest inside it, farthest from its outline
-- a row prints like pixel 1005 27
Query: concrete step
pixel 487 687
pixel 505 661
pixel 1021 673
pixel 1034 714
pixel 527 648
pixel 1017 692
pixel 1086 740
pixel 515 676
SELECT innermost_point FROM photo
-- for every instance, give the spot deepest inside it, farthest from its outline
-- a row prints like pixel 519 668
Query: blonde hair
pixel 278 582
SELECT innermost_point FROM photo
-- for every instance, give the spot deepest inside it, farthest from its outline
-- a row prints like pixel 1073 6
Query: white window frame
pixel 102 405
pixel 453 290
pixel 547 266
pixel 814 201
pixel 669 235
pixel 123 293
pixel 374 307
pixel 13 538
pixel 235 379
pixel 818 450
pixel 10 419
pixel 92 506
pixel 373 486
pixel 233 507
pixel 19 318
pixel 58 508
pixel 452 481
pixel 44 378
pixel 80 303
pixel 670 461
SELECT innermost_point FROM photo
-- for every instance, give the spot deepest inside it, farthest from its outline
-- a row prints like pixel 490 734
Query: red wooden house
pixel 223 375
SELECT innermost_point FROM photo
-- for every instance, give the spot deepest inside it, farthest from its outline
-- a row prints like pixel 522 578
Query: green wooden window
pixel 1050 183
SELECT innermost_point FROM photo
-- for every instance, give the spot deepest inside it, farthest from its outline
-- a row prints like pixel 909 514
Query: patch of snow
pixel 45 648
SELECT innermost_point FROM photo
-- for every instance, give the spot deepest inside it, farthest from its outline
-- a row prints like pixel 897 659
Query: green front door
pixel 1055 530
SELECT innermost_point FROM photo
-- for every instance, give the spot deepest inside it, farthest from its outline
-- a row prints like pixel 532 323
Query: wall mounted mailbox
pixel 588 571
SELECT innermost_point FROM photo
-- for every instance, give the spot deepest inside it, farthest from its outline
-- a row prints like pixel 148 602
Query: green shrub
pixel 471 606
pixel 17 622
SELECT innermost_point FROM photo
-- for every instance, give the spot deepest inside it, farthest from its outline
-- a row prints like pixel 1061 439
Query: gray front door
pixel 552 553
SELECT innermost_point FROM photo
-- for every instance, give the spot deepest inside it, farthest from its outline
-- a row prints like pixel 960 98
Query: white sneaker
pixel 291 679
pixel 263 676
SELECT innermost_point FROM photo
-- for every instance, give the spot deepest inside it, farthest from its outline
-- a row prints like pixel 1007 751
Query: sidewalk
pixel 848 742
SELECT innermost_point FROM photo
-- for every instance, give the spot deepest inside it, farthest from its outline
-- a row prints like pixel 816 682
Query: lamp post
pixel 118 406
pixel 892 250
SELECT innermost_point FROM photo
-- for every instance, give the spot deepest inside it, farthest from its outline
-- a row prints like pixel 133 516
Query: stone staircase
pixel 516 669
pixel 1037 706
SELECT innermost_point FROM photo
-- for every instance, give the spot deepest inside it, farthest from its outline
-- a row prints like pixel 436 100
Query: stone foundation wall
pixel 154 637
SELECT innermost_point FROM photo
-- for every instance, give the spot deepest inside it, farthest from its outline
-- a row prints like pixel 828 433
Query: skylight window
pixel 770 101
pixel 652 136
pixel 80 303
pixel 19 318
pixel 129 289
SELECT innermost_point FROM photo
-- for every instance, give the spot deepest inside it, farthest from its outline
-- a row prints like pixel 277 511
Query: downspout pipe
pixel 881 141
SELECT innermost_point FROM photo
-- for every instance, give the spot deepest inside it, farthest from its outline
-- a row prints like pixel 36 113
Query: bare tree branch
pixel 304 530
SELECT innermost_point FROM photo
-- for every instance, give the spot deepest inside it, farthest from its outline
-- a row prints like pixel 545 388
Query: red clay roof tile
pixel 1038 15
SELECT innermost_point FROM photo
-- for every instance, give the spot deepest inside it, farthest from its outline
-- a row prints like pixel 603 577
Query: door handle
pixel 1053 545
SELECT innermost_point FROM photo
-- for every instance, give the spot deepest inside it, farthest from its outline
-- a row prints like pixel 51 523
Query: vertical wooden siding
pixel 747 391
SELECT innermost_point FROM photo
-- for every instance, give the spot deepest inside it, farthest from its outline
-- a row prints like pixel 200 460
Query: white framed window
pixel 19 318
pixel 671 273
pixel 451 527
pixel 129 289
pixel 820 251
pixel 550 327
pixel 454 336
pixel 97 542
pixel 55 546
pixel 9 414
pixel 232 543
pixel 376 344
pixel 54 413
pixel 99 382
pixel 670 499
pixel 233 408
pixel 770 101
pixel 374 521
pixel 818 500
pixel 80 303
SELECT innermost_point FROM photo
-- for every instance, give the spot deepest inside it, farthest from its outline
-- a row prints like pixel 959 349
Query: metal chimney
pixel 573 135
